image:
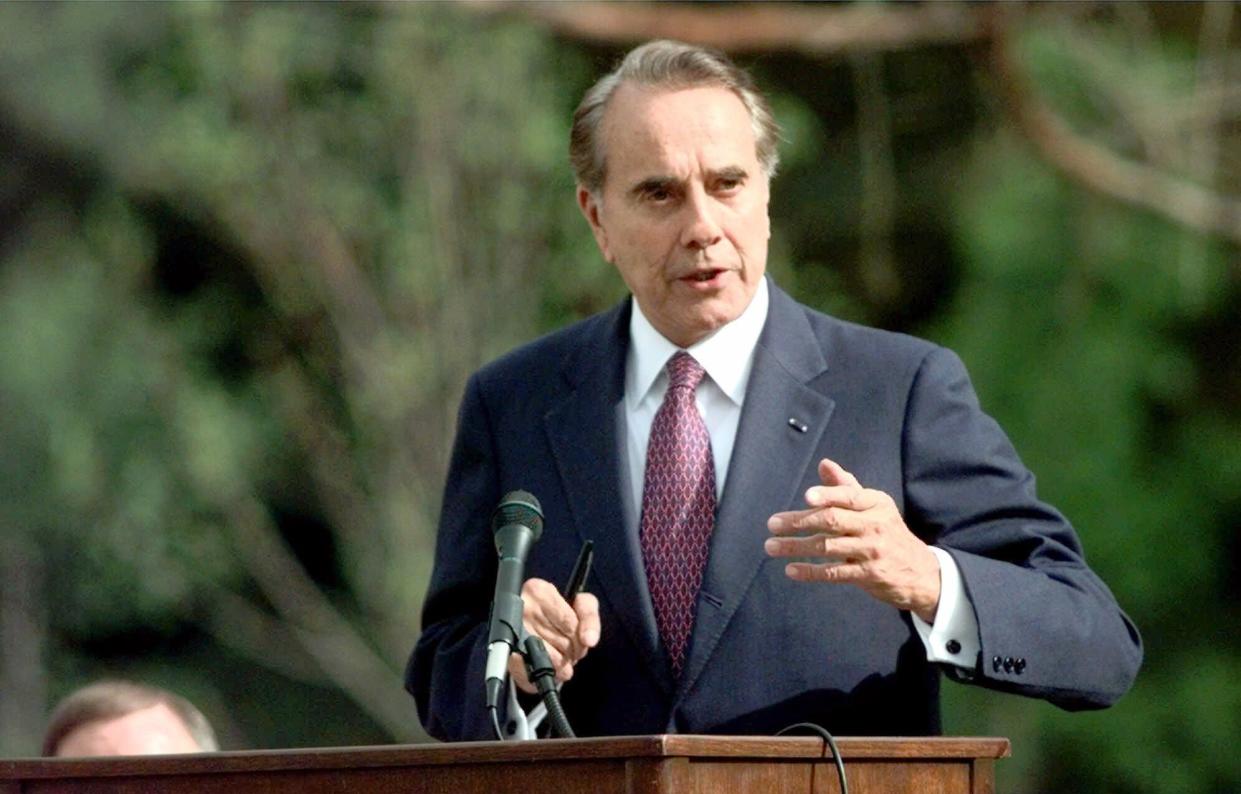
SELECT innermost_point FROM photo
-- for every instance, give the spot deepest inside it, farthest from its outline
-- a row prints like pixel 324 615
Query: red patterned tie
pixel 678 507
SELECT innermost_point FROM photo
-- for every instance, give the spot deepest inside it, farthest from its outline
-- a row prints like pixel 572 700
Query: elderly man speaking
pixel 796 519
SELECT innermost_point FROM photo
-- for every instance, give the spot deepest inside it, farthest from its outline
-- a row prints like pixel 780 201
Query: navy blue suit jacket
pixel 897 412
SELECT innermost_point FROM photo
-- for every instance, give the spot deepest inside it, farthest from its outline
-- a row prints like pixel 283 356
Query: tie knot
pixel 683 370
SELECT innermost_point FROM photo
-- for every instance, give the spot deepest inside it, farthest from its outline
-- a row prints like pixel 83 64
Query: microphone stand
pixel 540 670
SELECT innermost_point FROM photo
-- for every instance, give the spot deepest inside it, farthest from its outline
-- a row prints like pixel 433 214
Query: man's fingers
pixel 586 605
pixel 837 549
pixel 564 652
pixel 517 671
pixel 549 616
pixel 788 523
pixel 830 507
pixel 830 520
pixel 849 572
pixel 850 497
pixel 568 632
pixel 562 663
pixel 556 643
pixel 832 473
pixel 543 599
pixel 537 622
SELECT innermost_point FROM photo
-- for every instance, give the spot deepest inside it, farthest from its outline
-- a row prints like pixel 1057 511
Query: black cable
pixel 560 723
pixel 822 733
pixel 540 670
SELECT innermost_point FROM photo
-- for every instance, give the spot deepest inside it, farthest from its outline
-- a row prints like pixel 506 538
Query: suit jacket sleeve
pixel 1048 626
pixel 445 671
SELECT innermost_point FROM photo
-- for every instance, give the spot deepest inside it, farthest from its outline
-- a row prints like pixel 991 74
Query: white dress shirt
pixel 727 355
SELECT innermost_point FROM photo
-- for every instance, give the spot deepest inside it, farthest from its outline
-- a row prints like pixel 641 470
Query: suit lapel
pixel 582 430
pixel 770 461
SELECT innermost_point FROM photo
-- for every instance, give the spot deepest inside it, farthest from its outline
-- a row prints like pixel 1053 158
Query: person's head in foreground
pixel 123 718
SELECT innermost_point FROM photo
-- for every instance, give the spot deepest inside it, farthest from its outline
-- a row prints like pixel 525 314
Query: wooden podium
pixel 624 765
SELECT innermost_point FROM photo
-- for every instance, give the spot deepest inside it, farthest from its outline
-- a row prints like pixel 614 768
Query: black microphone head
pixel 519 507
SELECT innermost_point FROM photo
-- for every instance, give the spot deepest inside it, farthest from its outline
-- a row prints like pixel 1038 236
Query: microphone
pixel 517 523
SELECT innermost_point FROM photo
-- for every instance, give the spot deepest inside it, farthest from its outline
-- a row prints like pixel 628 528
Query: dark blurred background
pixel 249 254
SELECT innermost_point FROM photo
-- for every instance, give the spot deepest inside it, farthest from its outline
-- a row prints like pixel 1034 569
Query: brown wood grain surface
pixel 625 765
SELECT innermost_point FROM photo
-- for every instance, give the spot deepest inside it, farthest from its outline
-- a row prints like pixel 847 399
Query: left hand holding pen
pixel 863 539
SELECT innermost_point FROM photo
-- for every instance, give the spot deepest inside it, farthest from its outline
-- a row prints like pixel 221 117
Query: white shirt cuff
pixel 953 638
pixel 522 726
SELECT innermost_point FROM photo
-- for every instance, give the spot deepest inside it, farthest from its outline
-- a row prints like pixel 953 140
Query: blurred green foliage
pixel 250 253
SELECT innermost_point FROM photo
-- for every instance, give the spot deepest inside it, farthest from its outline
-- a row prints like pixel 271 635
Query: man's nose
pixel 702 229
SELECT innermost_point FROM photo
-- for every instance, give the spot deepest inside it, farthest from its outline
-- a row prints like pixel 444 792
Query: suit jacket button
pixel 996 663
pixel 1019 665
pixel 1008 664
pixel 952 646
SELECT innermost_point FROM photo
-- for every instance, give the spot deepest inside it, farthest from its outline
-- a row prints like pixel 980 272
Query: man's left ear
pixel 767 208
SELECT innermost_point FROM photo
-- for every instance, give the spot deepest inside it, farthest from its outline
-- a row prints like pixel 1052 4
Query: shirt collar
pixel 726 354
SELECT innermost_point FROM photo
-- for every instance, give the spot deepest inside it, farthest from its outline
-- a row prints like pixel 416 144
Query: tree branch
pixel 319 627
pixel 1100 169
pixel 761 27
pixel 238 624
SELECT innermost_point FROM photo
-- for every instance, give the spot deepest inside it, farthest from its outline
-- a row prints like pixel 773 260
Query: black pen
pixel 581 569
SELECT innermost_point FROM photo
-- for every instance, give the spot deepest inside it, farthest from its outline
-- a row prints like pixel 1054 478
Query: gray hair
pixel 108 700
pixel 672 65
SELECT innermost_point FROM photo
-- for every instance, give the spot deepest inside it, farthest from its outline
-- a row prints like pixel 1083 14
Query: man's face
pixel 683 210
pixel 150 731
